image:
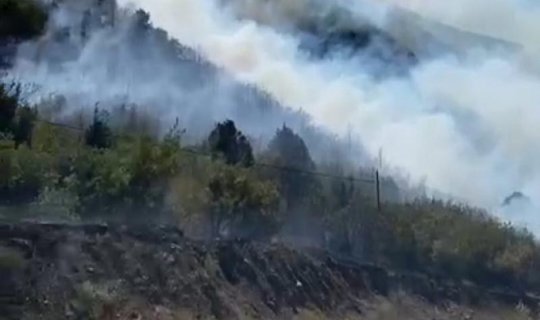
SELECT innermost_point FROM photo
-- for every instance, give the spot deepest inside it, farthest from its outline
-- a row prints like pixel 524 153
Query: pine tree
pixel 99 135
pixel 288 150
pixel 227 142
pixel 24 126
pixel 9 101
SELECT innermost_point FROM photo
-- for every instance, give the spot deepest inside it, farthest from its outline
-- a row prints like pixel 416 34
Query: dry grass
pixel 403 307
pixel 11 259
pixel 378 309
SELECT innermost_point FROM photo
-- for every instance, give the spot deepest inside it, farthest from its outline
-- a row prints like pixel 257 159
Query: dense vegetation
pixel 117 169
pixel 21 19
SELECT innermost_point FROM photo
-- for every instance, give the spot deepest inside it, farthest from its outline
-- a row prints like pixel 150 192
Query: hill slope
pixel 100 272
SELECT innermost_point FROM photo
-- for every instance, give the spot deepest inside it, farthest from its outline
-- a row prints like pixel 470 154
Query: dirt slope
pixel 98 272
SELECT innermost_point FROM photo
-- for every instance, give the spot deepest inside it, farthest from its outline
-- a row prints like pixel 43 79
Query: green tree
pixel 288 151
pixel 24 174
pixel 230 144
pixel 9 102
pixel 21 19
pixel 99 135
pixel 24 126
pixel 241 204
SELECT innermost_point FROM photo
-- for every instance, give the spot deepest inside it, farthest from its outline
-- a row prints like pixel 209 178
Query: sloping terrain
pixel 102 55
pixel 398 39
pixel 99 272
pixel 427 37
pixel 58 271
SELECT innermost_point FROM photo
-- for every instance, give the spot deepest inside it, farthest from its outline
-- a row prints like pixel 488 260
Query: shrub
pixel 11 259
pixel 244 204
pixel 24 174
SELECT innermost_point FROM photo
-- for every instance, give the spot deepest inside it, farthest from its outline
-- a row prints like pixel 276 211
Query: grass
pixel 11 259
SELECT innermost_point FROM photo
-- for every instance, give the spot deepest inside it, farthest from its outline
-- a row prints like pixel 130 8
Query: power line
pixel 291 169
pixel 256 164
pixel 61 125
pixel 315 173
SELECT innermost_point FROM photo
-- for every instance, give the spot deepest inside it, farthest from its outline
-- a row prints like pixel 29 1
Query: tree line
pixel 118 170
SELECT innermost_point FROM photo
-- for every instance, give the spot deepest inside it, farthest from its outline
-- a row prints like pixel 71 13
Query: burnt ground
pixel 50 271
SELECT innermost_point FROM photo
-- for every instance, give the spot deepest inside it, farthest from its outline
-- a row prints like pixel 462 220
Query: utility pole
pixel 380 158
pixel 378 190
pixel 377 180
pixel 349 139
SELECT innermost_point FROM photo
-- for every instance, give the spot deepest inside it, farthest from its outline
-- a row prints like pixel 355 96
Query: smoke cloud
pixel 512 20
pixel 464 123
pixel 119 66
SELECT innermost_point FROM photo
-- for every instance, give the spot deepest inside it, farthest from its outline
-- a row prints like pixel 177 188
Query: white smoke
pixel 124 66
pixel 513 20
pixel 466 124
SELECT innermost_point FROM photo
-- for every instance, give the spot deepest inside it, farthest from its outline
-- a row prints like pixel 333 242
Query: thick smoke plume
pixel 112 63
pixel 512 20
pixel 462 118
pixel 465 123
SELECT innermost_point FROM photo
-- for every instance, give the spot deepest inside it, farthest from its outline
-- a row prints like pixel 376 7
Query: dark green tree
pixel 288 151
pixel 21 19
pixel 24 126
pixel 342 192
pixel 99 135
pixel 9 101
pixel 227 142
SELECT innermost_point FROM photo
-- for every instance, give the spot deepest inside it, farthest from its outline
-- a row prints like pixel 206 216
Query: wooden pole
pixel 378 190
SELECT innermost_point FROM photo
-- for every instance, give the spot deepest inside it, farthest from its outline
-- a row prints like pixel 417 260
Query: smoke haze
pixel 463 121
pixel 124 66
pixel 465 124
pixel 512 20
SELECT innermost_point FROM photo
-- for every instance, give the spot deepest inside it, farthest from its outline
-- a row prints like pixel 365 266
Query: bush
pixel 244 205
pixel 230 201
pixel 24 174
pixel 11 259
pixel 127 181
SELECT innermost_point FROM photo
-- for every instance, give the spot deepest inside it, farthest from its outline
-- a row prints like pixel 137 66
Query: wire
pixel 256 164
pixel 60 125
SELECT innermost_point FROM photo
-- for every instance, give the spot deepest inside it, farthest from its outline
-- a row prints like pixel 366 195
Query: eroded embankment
pixel 101 272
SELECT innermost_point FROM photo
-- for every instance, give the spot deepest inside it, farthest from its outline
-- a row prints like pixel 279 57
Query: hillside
pixel 98 272
pixel 414 31
pixel 113 57
pixel 139 180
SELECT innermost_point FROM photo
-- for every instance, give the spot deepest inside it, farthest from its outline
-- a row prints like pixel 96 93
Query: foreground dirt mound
pixel 97 272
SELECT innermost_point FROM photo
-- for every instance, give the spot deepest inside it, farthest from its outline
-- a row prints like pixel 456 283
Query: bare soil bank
pixel 50 271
